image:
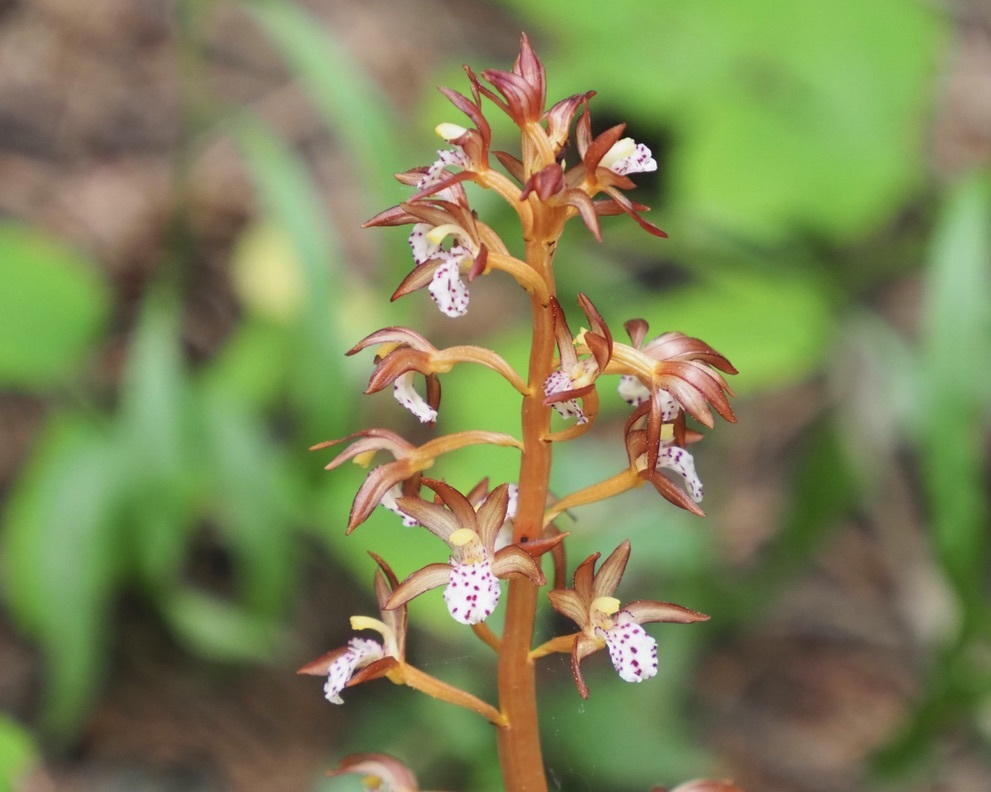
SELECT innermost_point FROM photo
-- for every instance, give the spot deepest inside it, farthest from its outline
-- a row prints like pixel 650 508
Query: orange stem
pixel 519 741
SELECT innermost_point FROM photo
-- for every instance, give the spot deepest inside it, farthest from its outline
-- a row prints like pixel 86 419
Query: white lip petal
pixel 448 290
pixel 361 652
pixel 556 382
pixel 419 241
pixel 407 396
pixel 639 160
pixel 681 462
pixel 472 593
pixel 632 651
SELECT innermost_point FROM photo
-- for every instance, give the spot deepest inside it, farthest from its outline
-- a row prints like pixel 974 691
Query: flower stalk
pixel 496 538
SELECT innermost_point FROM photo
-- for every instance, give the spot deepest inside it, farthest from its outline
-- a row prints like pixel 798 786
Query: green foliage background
pixel 792 137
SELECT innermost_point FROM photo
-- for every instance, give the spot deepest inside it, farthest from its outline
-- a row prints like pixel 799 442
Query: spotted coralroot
pixel 489 562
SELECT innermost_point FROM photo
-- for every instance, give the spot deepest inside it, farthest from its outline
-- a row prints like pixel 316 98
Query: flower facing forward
pixel 606 624
pixel 471 578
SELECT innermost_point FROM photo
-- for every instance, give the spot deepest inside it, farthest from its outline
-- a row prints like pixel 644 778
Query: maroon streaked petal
pixel 611 572
pixel 429 577
pixel 644 611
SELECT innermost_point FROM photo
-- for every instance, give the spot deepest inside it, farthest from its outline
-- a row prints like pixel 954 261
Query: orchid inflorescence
pixel 503 532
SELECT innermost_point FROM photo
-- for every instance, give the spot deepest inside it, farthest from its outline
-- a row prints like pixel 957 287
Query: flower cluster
pixel 496 538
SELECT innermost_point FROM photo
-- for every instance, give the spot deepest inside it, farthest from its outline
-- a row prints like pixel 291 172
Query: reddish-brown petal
pixel 513 560
pixel 320 666
pixel 437 519
pixel 673 493
pixel 370 440
pixel 628 207
pixel 375 670
pixel 568 603
pixel 637 330
pixel 419 278
pixel 511 164
pixel 560 115
pixel 586 210
pixel 429 577
pixel 584 646
pixel 584 578
pixel 598 149
pixel 644 611
pixel 529 67
pixel 546 183
pixel 373 489
pixel 492 514
pixel 393 335
pixel 385 583
pixel 611 572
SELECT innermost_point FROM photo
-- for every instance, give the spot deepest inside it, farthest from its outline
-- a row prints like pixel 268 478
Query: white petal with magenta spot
pixel 448 290
pixel 407 396
pixel 472 593
pixel 681 462
pixel 361 652
pixel 632 651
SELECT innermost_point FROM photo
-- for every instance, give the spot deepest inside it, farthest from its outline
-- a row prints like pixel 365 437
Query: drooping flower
pixel 471 578
pixel 575 378
pixel 403 352
pixel 363 659
pixel 665 379
pixel 674 366
pixel 605 623
pixel 409 462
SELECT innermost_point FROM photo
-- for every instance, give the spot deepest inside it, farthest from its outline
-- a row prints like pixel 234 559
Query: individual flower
pixel 403 352
pixel 409 462
pixel 382 773
pixel 575 378
pixel 665 379
pixel 364 659
pixel 605 624
pixel 677 372
pixel 471 578
pixel 606 162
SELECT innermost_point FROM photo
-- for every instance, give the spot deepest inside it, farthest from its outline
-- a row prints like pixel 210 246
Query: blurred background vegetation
pixel 182 270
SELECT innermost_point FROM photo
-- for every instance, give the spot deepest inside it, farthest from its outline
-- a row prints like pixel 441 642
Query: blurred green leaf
pixel 292 205
pixel 52 306
pixel 783 115
pixel 774 326
pixel 955 394
pixel 219 629
pixel 351 105
pixel 155 437
pixel 251 497
pixel 18 752
pixel 61 557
